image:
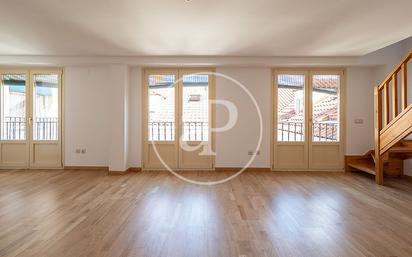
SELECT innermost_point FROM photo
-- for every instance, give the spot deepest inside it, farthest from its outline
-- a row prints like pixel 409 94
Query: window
pixel 291 106
pixel 46 107
pixel 161 116
pixel 13 106
pixel 325 108
pixel 195 104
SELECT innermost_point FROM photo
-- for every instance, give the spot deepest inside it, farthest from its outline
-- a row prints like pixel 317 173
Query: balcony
pixel 192 131
pixel 326 132
pixel 294 132
pixel 44 128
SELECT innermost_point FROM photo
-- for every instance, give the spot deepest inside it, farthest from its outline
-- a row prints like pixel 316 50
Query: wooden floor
pixel 88 213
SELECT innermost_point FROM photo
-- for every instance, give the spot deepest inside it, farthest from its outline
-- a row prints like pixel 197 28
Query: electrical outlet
pixel 83 150
pixel 78 150
pixel 250 152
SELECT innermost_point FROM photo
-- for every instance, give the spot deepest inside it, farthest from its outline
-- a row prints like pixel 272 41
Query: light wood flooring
pixel 88 213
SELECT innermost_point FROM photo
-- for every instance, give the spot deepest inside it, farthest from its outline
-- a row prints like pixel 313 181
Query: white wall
pixel 103 111
pixel 91 122
pixel 359 105
pixel 385 59
pixel 96 115
pixel 232 146
pixel 135 116
pixel 87 94
pixel 118 104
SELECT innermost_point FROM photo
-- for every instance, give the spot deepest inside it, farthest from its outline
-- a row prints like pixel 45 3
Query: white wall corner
pixel 118 150
pixel 135 118
pixel 359 106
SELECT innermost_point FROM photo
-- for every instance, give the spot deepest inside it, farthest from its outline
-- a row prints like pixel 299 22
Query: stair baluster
pixel 389 131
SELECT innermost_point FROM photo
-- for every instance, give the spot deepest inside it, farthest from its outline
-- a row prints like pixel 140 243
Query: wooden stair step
pixel 401 149
pixel 365 165
pixel 372 155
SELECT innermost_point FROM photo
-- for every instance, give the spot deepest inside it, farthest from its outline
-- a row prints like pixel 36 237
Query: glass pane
pixel 13 106
pixel 46 107
pixel 291 106
pixel 195 107
pixel 161 114
pixel 325 108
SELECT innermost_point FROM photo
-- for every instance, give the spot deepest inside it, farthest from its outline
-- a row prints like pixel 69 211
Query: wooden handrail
pixel 390 84
pixel 386 98
pixel 396 69
pixel 397 129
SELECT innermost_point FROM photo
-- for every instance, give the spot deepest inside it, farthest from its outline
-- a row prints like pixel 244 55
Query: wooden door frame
pixel 211 91
pixel 49 70
pixel 342 119
pixel 274 101
pixel 342 111
pixel 145 109
pixel 175 70
pixel 28 70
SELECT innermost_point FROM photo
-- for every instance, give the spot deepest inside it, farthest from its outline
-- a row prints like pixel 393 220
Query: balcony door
pixel 308 118
pixel 177 119
pixel 30 118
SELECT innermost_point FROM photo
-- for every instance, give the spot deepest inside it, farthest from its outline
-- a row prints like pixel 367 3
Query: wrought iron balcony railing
pixel 325 131
pixel 294 131
pixel 14 128
pixel 165 131
pixel 290 131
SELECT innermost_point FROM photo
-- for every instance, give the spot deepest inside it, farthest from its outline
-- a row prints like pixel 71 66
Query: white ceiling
pixel 202 27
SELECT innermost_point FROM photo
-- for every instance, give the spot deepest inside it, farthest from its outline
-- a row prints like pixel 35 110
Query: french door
pixel 308 119
pixel 30 118
pixel 178 116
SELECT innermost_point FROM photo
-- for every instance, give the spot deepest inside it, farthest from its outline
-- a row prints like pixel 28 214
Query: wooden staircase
pixel 393 123
pixel 392 160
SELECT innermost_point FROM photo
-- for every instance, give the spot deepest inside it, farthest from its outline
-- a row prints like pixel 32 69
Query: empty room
pixel 205 128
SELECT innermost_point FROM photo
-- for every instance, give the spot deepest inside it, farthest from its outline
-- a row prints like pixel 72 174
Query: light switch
pixel 358 121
